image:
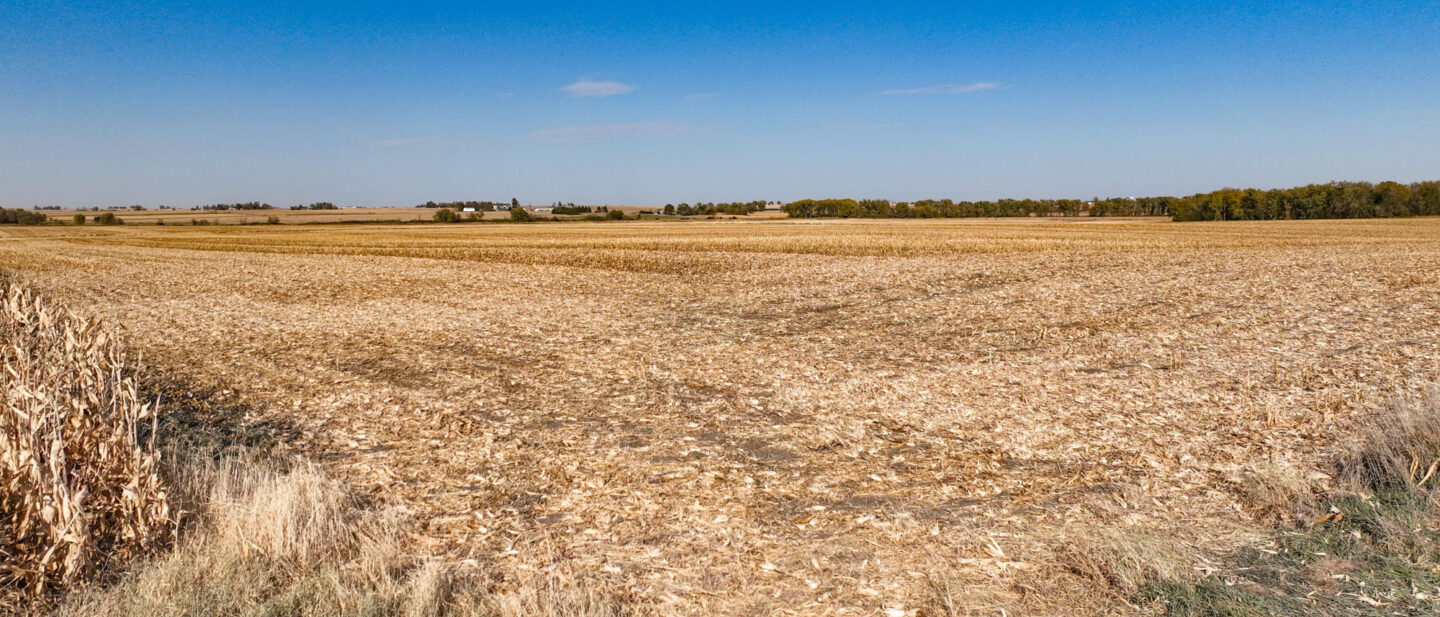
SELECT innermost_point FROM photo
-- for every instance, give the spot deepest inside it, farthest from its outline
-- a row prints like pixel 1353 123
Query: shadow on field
pixel 197 418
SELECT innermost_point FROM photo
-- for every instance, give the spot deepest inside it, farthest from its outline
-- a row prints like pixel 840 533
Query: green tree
pixel 79 219
pixel 20 217
pixel 445 215
pixel 1392 199
pixel 615 215
pixel 1426 198
pixel 520 215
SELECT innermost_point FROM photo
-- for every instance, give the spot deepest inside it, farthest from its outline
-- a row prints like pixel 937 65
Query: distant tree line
pixel 1315 201
pixel 249 205
pixel 481 206
pixel 517 214
pixel 107 218
pixel 319 205
pixel 735 208
pixel 20 217
pixel 484 206
pixel 1336 200
pixel 931 208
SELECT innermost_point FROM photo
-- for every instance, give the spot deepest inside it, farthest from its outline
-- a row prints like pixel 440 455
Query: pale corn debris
pixel 784 417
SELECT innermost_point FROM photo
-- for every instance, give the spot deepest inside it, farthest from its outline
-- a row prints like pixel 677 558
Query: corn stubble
pixel 87 506
pixel 803 417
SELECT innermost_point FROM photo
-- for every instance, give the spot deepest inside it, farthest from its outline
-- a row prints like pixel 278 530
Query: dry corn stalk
pixel 78 484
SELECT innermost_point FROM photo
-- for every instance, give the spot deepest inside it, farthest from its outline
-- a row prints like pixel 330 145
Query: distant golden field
pixel 786 417
pixel 287 216
pixel 255 217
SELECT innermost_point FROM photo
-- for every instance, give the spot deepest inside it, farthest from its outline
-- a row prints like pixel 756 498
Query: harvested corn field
pixel 754 417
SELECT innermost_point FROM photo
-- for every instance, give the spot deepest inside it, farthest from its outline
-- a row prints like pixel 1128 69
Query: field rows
pixel 822 417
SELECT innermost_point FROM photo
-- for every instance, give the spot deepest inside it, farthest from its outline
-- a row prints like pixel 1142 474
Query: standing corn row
pixel 78 484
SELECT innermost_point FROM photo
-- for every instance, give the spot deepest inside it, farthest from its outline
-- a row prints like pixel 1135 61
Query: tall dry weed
pixel 287 540
pixel 1401 449
pixel 78 483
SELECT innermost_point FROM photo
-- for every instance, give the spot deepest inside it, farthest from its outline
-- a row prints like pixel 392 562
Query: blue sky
pixel 372 104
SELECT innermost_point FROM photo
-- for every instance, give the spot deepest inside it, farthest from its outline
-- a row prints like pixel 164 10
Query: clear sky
pixel 396 103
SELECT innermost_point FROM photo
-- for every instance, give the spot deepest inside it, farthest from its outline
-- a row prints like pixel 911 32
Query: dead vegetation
pixel 1369 544
pixel 1124 561
pixel 1272 494
pixel 1366 542
pixel 86 496
pixel 79 473
pixel 837 418
pixel 1401 449
pixel 286 540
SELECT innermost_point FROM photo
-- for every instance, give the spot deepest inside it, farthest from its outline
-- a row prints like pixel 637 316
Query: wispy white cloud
pixel 615 130
pixel 947 89
pixel 406 142
pixel 586 88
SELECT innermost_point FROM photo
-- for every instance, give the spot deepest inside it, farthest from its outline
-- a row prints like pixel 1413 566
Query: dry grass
pixel 83 491
pixel 1366 541
pixel 292 542
pixel 787 417
pixel 265 542
pixel 1123 561
pixel 1401 449
pixel 78 484
pixel 1272 494
pixel 1374 549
